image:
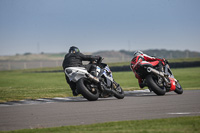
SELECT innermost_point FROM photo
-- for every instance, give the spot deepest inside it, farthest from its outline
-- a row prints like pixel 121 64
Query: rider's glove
pixel 99 59
pixel 166 61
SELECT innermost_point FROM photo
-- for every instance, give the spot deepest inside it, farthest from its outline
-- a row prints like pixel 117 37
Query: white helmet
pixel 136 53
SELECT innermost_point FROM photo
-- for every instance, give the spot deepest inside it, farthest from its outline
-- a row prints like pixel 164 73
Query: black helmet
pixel 74 49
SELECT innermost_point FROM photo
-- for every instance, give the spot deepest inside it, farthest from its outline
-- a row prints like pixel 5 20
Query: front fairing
pixel 108 73
pixel 168 71
pixel 105 70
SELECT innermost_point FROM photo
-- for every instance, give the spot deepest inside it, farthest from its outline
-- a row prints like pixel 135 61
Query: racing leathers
pixel 75 60
pixel 142 58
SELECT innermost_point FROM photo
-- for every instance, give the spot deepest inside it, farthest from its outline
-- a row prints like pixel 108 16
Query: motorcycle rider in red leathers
pixel 140 57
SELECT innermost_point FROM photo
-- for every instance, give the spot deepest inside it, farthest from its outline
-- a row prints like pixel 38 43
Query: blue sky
pixel 93 25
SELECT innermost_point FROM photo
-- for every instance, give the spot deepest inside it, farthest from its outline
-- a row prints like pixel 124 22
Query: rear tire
pixel 86 92
pixel 154 87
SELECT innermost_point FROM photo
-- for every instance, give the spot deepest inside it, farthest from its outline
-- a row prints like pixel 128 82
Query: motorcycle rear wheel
pixel 154 87
pixel 87 92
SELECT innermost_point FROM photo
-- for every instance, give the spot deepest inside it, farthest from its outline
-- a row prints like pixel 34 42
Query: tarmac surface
pixel 137 105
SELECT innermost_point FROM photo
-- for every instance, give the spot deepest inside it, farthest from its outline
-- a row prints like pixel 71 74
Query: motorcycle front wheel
pixel 179 89
pixel 84 87
pixel 118 92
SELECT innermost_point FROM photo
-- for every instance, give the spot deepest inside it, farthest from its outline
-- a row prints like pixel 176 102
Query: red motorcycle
pixel 157 81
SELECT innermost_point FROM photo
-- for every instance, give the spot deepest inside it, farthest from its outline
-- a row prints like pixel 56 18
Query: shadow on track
pixel 145 93
pixel 52 100
pixel 138 93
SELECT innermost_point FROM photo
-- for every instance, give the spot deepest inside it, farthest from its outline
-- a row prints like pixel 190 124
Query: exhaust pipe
pixel 96 80
pixel 149 69
pixel 91 77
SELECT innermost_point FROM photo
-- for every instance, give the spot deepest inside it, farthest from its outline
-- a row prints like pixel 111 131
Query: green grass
pixel 18 85
pixel 173 125
pixel 184 60
pixel 25 84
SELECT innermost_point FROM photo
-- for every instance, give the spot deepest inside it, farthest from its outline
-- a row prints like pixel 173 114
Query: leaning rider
pixel 139 56
pixel 74 59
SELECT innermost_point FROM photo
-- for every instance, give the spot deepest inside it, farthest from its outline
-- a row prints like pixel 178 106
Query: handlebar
pixel 165 61
pixel 97 61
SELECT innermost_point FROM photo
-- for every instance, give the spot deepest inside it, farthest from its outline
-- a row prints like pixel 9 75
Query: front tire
pixel 83 87
pixel 154 87
pixel 118 91
pixel 179 89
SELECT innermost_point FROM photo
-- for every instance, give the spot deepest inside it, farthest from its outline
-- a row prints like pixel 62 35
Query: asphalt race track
pixel 77 111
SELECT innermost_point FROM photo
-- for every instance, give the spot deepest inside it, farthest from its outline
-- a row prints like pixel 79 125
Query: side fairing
pixel 75 73
pixel 107 73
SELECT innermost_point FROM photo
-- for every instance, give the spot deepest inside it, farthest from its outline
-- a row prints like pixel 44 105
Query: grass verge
pixel 175 125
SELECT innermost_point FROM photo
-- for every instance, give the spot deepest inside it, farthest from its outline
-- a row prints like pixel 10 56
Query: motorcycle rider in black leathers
pixel 74 59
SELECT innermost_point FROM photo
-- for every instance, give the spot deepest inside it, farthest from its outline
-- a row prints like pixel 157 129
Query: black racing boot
pixel 74 92
pixel 93 73
pixel 142 85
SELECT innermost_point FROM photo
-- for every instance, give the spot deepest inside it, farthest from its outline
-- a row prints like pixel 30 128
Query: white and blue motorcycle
pixel 91 87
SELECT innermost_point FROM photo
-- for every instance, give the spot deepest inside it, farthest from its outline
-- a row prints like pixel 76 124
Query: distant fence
pixel 14 65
